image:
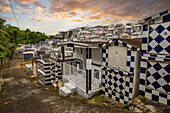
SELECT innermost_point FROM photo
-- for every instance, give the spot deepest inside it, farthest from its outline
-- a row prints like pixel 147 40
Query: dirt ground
pixel 20 95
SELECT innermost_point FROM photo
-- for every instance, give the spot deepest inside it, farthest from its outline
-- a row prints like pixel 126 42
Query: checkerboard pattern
pixel 105 56
pixel 160 18
pixel 120 71
pixel 117 83
pixel 118 43
pixel 158 76
pixel 130 60
pixel 159 38
pixel 152 19
pixel 152 88
pixel 155 59
pixel 116 86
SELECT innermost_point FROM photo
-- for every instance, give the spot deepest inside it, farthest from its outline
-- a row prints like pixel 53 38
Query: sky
pixel 51 16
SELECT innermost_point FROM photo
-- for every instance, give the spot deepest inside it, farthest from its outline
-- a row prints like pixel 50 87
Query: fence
pixel 78 76
pixel 96 80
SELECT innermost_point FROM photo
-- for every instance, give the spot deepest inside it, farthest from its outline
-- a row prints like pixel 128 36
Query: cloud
pixel 28 10
pixel 72 14
pixel 24 13
pixel 4 2
pixel 8 18
pixel 40 20
pixel 26 1
pixel 4 6
pixel 78 20
pixel 93 17
pixel 5 9
pixel 38 8
pixel 37 19
pixel 36 3
pixel 123 9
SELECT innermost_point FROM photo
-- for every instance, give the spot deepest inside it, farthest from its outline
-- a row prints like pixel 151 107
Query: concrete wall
pixel 77 54
pixel 117 57
pixel 97 55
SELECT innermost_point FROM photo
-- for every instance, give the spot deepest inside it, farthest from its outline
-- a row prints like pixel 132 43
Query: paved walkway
pixel 26 97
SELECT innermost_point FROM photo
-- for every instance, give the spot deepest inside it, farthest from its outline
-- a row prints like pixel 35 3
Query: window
pixel 96 74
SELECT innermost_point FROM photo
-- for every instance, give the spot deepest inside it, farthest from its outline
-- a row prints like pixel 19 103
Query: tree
pixel 2 21
pixel 10 36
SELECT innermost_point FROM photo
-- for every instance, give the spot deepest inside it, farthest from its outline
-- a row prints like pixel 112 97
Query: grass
pixel 124 106
pixel 141 97
pixel 34 79
pixel 56 91
pixel 18 47
pixel 28 71
pixel 99 98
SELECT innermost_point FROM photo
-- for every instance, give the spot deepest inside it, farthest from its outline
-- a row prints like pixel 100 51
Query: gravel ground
pixel 23 96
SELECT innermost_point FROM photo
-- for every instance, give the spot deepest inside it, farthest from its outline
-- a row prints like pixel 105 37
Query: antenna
pixel 14 13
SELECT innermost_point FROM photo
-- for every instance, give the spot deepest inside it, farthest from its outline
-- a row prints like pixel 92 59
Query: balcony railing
pixel 80 78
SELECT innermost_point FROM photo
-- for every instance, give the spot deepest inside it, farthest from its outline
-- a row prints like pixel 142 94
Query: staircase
pixel 67 89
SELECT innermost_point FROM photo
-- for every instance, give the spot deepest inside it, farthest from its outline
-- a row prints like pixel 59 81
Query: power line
pixel 14 13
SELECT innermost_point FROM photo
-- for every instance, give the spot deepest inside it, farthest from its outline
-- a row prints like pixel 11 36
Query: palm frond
pixel 4 32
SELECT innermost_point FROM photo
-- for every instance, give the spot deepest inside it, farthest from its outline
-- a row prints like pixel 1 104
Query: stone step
pixel 64 91
pixel 71 87
pixel 72 83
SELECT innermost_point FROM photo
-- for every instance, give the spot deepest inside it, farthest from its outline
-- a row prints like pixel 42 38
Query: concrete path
pixel 25 97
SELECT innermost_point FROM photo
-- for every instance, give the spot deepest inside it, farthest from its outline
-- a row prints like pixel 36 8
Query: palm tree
pixel 4 41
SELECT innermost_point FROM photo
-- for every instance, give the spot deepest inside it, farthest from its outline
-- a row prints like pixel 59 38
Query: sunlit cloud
pixel 8 18
pixel 78 20
pixel 125 9
pixel 26 1
pixel 5 9
pixel 38 8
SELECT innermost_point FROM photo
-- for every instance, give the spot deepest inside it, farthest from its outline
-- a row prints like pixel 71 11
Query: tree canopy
pixel 11 36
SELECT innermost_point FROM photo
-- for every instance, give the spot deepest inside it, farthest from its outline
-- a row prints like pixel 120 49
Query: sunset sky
pixel 51 16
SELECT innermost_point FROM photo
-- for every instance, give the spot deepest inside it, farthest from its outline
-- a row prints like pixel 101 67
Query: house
pixel 63 34
pixel 121 69
pixel 28 55
pixel 137 31
pixel 82 73
pixel 40 52
pixel 155 58
pixel 58 38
